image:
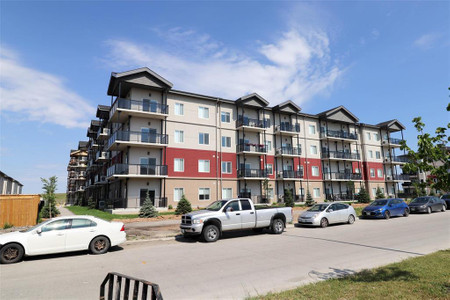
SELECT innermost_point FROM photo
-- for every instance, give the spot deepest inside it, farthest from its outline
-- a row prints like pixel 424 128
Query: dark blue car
pixel 386 208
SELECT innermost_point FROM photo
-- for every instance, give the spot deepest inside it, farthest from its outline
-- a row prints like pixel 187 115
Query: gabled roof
pixel 339 113
pixel 287 107
pixel 392 125
pixel 142 76
pixel 252 100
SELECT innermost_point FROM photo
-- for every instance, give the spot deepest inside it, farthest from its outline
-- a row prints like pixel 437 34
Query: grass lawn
pixel 81 210
pixel 425 277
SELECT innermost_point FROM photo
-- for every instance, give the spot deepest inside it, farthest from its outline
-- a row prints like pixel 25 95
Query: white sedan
pixel 62 234
pixel 322 214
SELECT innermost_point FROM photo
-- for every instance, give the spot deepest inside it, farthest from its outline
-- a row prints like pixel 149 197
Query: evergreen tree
pixel 288 199
pixel 183 207
pixel 363 196
pixel 49 210
pixel 379 194
pixel 148 210
pixel 309 199
pixel 92 203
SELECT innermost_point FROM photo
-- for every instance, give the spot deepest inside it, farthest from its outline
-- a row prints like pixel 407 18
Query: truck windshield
pixel 217 205
pixel 318 207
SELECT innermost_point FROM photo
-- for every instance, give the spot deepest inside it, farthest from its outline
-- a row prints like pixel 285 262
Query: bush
pixel 309 199
pixel 170 206
pixel 183 207
pixel 7 225
pixel 148 210
pixel 92 203
pixel 363 196
pixel 288 199
pixel 379 194
pixel 45 212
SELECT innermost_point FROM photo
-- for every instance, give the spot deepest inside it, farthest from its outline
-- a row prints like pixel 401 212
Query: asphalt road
pixel 239 265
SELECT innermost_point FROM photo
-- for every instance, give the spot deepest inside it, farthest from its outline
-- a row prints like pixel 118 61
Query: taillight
pixel 123 228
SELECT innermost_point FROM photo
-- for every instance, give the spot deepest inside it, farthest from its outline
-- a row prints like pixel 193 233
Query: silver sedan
pixel 322 214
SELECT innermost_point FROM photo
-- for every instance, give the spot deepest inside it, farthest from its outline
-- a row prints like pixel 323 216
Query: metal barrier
pixel 140 290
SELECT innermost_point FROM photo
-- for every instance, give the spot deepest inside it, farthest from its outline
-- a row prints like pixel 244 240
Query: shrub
pixel 309 199
pixel 363 196
pixel 92 203
pixel 183 207
pixel 288 199
pixel 379 194
pixel 7 225
pixel 170 206
pixel 49 186
pixel 148 210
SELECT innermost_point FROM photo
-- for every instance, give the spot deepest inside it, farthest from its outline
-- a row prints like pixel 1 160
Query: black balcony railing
pixel 137 169
pixel 289 151
pixel 288 127
pixel 395 141
pixel 290 174
pixel 400 177
pixel 138 137
pixel 140 105
pixel 245 121
pixel 342 176
pixel 340 154
pixel 398 159
pixel 339 197
pixel 255 173
pixel 258 148
pixel 338 134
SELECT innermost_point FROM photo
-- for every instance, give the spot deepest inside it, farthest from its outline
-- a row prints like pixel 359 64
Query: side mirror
pixel 229 209
pixel 39 231
pixel 330 210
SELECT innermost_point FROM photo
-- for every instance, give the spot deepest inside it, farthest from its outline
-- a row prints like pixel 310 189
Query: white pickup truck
pixel 233 214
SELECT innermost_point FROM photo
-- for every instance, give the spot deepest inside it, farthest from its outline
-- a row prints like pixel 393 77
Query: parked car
pixel 62 234
pixel 427 204
pixel 322 214
pixel 446 198
pixel 386 208
pixel 233 214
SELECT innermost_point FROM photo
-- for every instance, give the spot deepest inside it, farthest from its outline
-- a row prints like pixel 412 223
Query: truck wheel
pixel 277 226
pixel 211 233
pixel 11 253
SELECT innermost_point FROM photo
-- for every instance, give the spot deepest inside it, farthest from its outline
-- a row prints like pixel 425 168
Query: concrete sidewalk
pixel 65 212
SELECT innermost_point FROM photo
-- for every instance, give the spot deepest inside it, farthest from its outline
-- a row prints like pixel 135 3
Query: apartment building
pixel 9 185
pixel 168 143
pixel 76 174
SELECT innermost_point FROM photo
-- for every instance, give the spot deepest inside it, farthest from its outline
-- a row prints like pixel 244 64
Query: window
pixel 227 193
pixel 316 192
pixel 357 170
pixel 301 191
pixel 179 109
pixel 246 205
pixel 203 194
pixel 177 194
pixel 56 225
pixel 368 136
pixel 312 129
pixel 269 168
pixel 203 166
pixel 226 167
pixel 268 146
pixel 376 137
pixel 226 141
pixel 270 193
pixel 372 172
pixel 370 154
pixel 178 165
pixel 225 117
pixel 82 223
pixel 203 112
pixel 374 192
pixel 379 173
pixel 377 154
pixel 313 149
pixel 179 136
pixel 234 205
pixel 203 138
pixel 315 171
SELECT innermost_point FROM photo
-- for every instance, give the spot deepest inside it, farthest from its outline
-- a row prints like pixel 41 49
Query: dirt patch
pixel 150 232
pixel 158 218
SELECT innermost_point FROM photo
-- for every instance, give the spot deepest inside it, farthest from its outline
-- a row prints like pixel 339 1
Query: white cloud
pixel 39 96
pixel 427 41
pixel 296 66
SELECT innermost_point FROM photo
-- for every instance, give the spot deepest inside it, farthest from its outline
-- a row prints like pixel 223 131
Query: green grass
pixel 82 210
pixel 358 211
pixel 424 277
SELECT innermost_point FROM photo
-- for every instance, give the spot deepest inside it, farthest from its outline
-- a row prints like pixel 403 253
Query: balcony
pixel 122 108
pixel 288 151
pixel 252 124
pixel 396 160
pixel 255 174
pixel 251 149
pixel 398 177
pixel 122 139
pixel 288 129
pixel 341 176
pixel 290 175
pixel 103 134
pixel 137 171
pixel 102 156
pixel 340 155
pixel 393 142
pixel 339 197
pixel 338 135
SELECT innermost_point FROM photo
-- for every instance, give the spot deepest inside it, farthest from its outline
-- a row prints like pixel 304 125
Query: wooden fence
pixel 19 210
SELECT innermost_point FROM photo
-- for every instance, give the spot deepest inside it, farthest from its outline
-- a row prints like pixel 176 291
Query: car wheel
pixel 443 208
pixel 323 222
pixel 387 215
pixel 11 253
pixel 211 233
pixel 429 210
pixel 406 212
pixel 277 226
pixel 99 245
pixel 351 219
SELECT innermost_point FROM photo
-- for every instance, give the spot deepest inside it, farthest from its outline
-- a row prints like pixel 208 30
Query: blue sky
pixel 56 59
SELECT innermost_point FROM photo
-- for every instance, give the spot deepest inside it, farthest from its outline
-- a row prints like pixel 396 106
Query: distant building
pixel 76 178
pixel 9 186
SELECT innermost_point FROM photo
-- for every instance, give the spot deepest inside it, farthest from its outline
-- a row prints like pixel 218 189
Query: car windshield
pixel 379 203
pixel 35 226
pixel 217 205
pixel 318 207
pixel 446 197
pixel 420 200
